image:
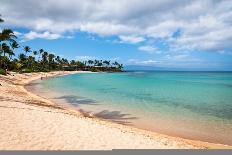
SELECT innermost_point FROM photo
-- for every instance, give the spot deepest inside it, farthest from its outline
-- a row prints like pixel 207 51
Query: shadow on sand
pixel 75 100
pixel 113 116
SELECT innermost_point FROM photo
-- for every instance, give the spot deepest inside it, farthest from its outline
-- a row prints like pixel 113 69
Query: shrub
pixel 18 66
pixel 93 70
pixel 27 70
pixel 44 70
pixel 2 71
pixel 69 69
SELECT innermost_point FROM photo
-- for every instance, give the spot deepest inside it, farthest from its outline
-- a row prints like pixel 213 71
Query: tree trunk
pixel 4 63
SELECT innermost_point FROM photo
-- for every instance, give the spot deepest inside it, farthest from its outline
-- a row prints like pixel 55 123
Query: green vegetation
pixel 2 72
pixel 42 61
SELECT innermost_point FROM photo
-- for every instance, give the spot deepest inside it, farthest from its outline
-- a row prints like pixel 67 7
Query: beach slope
pixel 29 122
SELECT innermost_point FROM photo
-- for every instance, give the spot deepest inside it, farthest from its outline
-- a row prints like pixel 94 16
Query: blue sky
pixel 181 35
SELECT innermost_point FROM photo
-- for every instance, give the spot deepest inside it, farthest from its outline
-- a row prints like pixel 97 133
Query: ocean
pixel 193 105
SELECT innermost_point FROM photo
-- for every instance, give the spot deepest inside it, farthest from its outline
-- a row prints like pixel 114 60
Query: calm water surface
pixel 195 105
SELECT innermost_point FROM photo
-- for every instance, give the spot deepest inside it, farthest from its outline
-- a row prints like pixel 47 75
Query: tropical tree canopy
pixel 1 20
pixel 46 61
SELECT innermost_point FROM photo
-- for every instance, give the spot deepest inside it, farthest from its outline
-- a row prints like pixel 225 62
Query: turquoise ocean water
pixel 194 105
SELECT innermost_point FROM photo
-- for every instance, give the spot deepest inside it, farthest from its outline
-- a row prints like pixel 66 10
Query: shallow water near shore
pixel 194 105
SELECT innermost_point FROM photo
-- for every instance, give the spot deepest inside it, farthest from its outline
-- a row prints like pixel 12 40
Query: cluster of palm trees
pixel 103 65
pixel 42 61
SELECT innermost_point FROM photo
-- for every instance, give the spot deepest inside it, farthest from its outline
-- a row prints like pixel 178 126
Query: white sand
pixel 29 122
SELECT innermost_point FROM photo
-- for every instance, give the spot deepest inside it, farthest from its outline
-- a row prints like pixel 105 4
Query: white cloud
pixel 149 62
pixel 115 59
pixel 131 39
pixel 133 61
pixel 45 35
pixel 106 28
pixel 205 25
pixel 17 33
pixel 175 60
pixel 84 58
pixel 181 58
pixel 142 62
pixel 69 37
pixel 149 49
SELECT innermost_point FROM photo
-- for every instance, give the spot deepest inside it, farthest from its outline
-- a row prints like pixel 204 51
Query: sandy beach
pixel 30 122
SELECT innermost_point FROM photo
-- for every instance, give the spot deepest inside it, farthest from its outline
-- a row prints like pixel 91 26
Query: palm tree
pixel 72 62
pixel 96 62
pixel 90 62
pixel 31 61
pixel 85 62
pixel 41 51
pixel 44 58
pixel 115 63
pixel 65 61
pixel 1 20
pixel 35 53
pixel 51 60
pixel 11 53
pixel 80 64
pixel 7 35
pixel 100 63
pixel 5 49
pixel 107 63
pixel 58 61
pixel 27 49
pixel 14 45
pixel 120 66
pixel 22 58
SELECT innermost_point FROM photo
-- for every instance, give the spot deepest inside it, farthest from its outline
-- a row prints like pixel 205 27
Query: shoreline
pixel 153 139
